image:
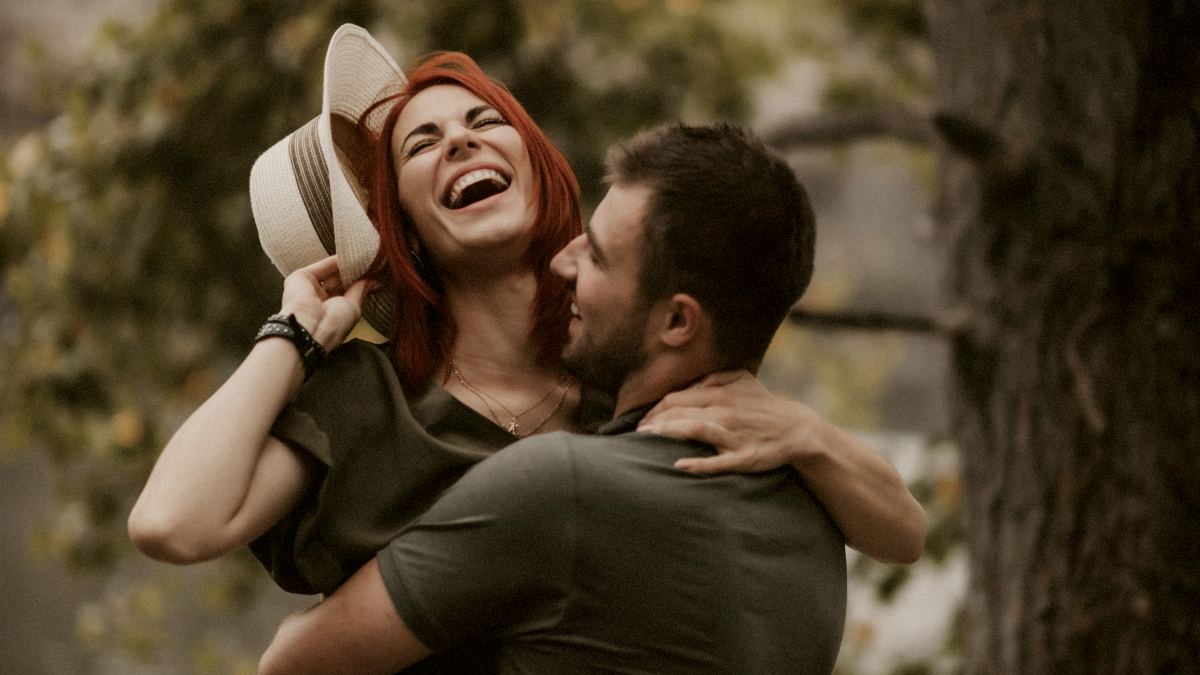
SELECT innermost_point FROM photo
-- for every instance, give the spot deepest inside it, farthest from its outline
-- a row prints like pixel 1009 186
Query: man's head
pixel 703 243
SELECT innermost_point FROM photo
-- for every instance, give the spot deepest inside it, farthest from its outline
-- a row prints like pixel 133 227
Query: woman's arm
pixel 222 480
pixel 754 430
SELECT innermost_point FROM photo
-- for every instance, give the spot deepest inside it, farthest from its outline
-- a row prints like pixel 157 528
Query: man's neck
pixel 656 379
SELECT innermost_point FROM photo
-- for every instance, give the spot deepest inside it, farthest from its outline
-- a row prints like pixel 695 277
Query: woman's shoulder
pixel 354 387
pixel 357 352
pixel 354 365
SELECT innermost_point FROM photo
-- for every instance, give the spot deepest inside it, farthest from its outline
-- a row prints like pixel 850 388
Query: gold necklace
pixel 513 427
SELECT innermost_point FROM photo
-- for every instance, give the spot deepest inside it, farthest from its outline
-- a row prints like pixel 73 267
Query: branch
pixel 847 126
pixel 875 321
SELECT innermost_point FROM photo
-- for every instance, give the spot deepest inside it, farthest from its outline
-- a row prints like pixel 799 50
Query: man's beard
pixel 606 365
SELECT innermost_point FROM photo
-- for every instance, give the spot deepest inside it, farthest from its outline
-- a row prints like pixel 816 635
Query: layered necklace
pixel 514 425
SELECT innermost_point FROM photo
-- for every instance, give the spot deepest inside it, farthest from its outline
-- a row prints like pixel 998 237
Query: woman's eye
pixel 489 121
pixel 418 147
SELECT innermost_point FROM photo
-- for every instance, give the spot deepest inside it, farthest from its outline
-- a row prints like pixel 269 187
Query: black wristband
pixel 286 326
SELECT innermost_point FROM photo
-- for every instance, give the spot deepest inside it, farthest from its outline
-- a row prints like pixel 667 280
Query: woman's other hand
pixel 753 430
pixel 315 295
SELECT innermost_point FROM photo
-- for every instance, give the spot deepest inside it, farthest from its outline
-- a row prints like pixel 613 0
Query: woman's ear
pixel 684 322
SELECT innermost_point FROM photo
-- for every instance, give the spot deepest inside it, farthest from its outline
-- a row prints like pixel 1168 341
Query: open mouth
pixel 475 186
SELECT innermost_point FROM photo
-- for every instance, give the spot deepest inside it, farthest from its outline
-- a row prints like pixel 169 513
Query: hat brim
pixel 307 191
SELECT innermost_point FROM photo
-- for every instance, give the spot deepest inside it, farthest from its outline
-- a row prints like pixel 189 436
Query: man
pixel 578 554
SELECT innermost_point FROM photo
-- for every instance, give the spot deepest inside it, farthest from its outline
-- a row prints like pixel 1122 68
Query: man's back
pixel 593 553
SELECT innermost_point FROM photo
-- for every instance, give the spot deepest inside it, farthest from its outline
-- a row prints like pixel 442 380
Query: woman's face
pixel 465 180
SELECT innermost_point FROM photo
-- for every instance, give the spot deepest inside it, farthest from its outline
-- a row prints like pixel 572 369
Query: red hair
pixel 422 331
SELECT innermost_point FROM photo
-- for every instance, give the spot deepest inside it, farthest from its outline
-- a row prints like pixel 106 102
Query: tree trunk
pixel 1070 198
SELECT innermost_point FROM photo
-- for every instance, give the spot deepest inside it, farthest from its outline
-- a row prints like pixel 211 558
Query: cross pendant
pixel 512 427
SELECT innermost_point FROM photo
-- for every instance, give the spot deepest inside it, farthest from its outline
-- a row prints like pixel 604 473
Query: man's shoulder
pixel 547 466
pixel 538 463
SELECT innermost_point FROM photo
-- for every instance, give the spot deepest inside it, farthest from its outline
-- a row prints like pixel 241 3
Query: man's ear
pixel 683 322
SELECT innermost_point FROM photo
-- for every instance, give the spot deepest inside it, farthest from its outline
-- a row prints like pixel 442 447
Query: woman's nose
pixel 460 140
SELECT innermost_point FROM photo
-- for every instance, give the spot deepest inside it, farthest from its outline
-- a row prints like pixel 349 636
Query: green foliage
pixel 883 57
pixel 130 260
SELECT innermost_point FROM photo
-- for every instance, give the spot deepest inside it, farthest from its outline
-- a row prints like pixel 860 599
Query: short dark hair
pixel 727 223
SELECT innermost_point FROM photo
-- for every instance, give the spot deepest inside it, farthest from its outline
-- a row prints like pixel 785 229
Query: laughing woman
pixel 470 201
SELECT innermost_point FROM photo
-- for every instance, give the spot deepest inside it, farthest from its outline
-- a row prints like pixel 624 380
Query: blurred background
pixel 132 280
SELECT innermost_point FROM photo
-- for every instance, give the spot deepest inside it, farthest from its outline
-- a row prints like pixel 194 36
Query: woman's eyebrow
pixel 427 128
pixel 476 112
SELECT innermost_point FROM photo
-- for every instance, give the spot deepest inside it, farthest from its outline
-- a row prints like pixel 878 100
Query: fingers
pixel 356 292
pixel 323 268
pixel 704 431
pixel 716 464
pixel 323 275
pixel 315 295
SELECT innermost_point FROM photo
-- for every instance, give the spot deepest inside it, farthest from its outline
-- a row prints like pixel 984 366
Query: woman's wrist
pixel 809 441
pixel 278 358
pixel 288 327
pixel 329 331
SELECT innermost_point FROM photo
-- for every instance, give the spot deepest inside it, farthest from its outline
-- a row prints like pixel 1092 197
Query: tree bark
pixel 1070 200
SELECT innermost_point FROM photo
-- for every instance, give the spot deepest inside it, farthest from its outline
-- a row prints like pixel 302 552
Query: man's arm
pixel 355 630
pixel 488 560
pixel 754 430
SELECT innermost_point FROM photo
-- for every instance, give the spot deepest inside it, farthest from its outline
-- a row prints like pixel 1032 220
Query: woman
pixel 471 201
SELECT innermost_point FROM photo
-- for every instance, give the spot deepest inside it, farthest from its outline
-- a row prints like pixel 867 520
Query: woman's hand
pixel 753 430
pixel 315 295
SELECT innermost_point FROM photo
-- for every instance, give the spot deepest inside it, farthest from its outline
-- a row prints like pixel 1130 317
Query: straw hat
pixel 306 191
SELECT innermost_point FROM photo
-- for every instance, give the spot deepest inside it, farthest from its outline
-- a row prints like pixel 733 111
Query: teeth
pixel 574 309
pixel 471 178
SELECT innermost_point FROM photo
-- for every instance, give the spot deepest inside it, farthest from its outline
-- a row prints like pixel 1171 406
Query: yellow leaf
pixel 91 624
pixel 56 249
pixel 25 155
pixel 946 490
pixel 127 428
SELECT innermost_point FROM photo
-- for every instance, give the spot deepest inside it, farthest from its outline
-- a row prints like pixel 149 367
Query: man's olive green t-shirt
pixel 380 457
pixel 593 553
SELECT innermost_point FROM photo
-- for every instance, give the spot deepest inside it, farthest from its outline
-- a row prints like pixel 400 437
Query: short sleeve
pixel 490 558
pixel 376 468
pixel 326 396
